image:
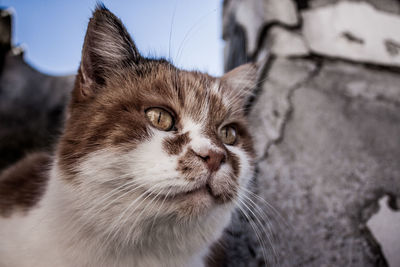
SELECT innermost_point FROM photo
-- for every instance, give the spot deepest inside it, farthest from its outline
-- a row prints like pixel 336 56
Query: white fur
pixel 47 238
pixel 215 88
pixel 246 169
pixel 200 143
pixel 76 224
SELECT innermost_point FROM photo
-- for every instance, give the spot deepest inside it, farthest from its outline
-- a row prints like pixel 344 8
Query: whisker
pixel 170 30
pixel 111 229
pixel 152 200
pixel 263 216
pixel 262 229
pixel 271 207
pixel 127 186
pixel 162 204
pixel 195 24
pixel 256 231
pixel 119 221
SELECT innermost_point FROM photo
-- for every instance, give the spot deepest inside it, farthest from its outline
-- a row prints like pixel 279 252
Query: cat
pixel 147 172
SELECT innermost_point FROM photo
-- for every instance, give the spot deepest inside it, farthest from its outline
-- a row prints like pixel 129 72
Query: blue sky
pixel 52 32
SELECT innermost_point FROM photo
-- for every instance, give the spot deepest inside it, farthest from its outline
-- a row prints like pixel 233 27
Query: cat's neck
pixel 64 237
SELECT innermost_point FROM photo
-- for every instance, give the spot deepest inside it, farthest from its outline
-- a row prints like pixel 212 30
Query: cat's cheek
pixel 245 168
pixel 150 164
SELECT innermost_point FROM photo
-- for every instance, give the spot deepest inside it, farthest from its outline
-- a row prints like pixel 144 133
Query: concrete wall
pixel 326 123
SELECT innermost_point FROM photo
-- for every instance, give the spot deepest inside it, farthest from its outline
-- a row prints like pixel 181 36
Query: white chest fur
pixel 42 238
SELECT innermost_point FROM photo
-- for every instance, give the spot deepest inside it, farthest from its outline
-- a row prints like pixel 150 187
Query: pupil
pixel 159 117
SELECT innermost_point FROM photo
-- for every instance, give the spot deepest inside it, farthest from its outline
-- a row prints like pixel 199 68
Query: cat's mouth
pixel 203 191
pixel 206 189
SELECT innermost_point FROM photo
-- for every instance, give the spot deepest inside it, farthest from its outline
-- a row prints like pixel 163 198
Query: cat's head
pixel 147 142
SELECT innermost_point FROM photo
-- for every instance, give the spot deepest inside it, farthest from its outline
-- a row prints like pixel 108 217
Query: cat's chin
pixel 196 202
pixel 198 193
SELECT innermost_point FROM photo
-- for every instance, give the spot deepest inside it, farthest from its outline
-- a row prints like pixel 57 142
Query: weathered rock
pixel 286 43
pixel 327 139
pixel 234 36
pixel 234 48
pixel 337 155
pixel 383 225
pixel 354 31
pixel 254 15
pixel 332 155
pixel 268 119
pixel 391 6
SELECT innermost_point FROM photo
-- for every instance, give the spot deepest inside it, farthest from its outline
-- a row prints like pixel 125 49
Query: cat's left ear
pixel 240 83
pixel 107 48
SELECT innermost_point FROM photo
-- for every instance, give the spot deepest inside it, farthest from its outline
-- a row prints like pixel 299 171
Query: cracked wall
pixel 326 123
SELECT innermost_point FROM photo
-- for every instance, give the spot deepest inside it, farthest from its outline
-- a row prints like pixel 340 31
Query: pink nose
pixel 213 159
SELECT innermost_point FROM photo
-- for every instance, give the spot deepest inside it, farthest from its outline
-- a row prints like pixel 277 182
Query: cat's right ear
pixel 241 83
pixel 107 48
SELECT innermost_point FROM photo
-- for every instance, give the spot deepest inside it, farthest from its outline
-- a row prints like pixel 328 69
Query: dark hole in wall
pixel 302 4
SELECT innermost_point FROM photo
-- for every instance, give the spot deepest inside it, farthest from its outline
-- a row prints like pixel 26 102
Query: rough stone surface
pixel 269 118
pixel 338 155
pixel 254 15
pixel 286 43
pixel 234 36
pixel 327 139
pixel 383 225
pixel 354 31
pixel 391 6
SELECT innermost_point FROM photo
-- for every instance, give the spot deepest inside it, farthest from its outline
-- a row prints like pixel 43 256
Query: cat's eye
pixel 160 118
pixel 228 135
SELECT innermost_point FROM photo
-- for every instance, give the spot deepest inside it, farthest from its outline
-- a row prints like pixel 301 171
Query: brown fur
pixel 217 255
pixel 114 87
pixel 23 184
pixel 114 116
pixel 175 145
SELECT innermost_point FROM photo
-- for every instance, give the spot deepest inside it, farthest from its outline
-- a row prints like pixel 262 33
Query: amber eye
pixel 228 135
pixel 160 118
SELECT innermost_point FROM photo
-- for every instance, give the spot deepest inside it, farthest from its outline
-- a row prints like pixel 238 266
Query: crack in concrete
pixel 379 97
pixel 263 34
pixel 288 115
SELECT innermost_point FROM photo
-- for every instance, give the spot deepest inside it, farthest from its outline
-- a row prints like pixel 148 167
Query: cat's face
pixel 146 141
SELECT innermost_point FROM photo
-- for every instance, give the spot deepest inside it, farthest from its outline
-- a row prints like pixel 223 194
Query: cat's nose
pixel 212 158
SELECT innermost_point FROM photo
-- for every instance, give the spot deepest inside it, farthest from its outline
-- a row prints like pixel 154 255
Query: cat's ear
pixel 240 83
pixel 107 48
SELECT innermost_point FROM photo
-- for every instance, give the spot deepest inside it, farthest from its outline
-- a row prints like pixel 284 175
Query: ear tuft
pixel 100 6
pixel 107 48
pixel 240 83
